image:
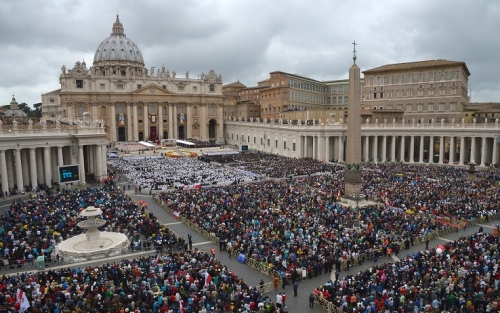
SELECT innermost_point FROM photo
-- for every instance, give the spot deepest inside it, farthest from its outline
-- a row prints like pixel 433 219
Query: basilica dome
pixel 117 47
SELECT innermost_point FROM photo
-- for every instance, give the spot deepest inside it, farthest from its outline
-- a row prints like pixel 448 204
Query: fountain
pixel 94 244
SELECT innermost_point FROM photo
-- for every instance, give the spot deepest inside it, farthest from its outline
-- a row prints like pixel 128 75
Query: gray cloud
pixel 246 40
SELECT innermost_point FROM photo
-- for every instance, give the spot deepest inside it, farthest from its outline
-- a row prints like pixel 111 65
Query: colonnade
pixel 33 166
pixel 410 149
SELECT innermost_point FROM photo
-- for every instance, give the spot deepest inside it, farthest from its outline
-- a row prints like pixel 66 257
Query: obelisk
pixel 353 152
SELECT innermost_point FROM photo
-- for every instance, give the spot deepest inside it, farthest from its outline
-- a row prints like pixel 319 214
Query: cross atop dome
pixel 118 27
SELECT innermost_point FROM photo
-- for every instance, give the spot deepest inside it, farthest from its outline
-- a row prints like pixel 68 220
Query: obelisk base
pixel 352 183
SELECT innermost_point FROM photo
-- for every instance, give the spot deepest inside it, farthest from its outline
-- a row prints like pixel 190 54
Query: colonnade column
pixel 60 159
pixel 375 148
pixel 451 158
pixel 174 122
pixel 384 149
pixel 39 165
pixel 10 168
pixel 315 148
pixel 462 150
pixel 367 147
pixel 321 148
pixel 341 149
pixel 47 166
pixel 483 151
pixel 112 124
pixel 473 150
pixel 104 163
pixel 19 171
pixel 171 122
pixel 441 149
pixel 327 148
pixel 24 161
pixel 3 171
pixel 412 149
pixel 421 150
pixel 99 162
pixel 402 149
pixel 431 149
pixel 494 157
pixel 90 158
pixel 81 161
pixel 393 149
pixel 33 168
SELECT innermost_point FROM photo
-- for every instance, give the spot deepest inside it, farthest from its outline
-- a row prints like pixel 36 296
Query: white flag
pixel 21 298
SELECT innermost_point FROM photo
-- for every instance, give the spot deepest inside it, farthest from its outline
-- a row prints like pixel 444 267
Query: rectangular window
pixel 442 91
pixel 410 78
pixel 408 107
pixel 79 83
pixel 389 80
pixel 51 100
pixel 293 146
pixel 399 106
pixel 102 87
pixel 276 143
pixel 180 88
pixel 419 108
pixel 211 88
pixel 431 77
pixel 420 77
pixel 441 107
pixel 253 140
pixel 453 107
pixel 164 87
pixel 400 79
pixel 195 89
pixel 268 142
pixel 139 86
pixel 420 92
pixel 119 86
pixel 431 92
pixel 430 107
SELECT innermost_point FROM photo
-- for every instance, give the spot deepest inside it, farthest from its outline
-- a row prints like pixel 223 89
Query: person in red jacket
pixel 283 299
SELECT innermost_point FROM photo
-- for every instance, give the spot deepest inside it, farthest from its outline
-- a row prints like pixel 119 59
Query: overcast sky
pixel 245 40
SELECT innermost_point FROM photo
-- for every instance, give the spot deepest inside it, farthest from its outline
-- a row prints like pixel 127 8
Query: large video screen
pixel 69 173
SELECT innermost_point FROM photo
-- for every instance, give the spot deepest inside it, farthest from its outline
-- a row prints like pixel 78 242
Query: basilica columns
pixel 145 112
pixel 421 150
pixel 159 135
pixel 452 150
pixel 473 150
pixel 431 149
pixel 130 122
pixel 393 148
pixel 483 151
pixel 171 119
pixel 112 124
pixel 136 121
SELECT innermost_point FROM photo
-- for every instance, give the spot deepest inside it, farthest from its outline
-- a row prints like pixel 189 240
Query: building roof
pixel 234 84
pixel 296 76
pixel 416 65
pixel 117 47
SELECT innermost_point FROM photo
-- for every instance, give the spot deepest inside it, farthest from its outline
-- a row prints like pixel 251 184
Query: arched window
pixel 212 110
pixel 334 99
pixel 340 100
pixel 345 99
pixel 139 111
pixel 81 109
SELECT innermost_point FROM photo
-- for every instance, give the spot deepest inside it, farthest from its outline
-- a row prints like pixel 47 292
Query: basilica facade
pixel 136 103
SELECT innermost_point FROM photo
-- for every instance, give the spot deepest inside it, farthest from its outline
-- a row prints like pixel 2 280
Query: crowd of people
pixel 157 172
pixel 460 276
pixel 189 280
pixel 300 224
pixel 33 227
pixel 271 165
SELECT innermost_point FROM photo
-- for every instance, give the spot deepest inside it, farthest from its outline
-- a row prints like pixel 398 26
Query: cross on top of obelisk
pixel 354 55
